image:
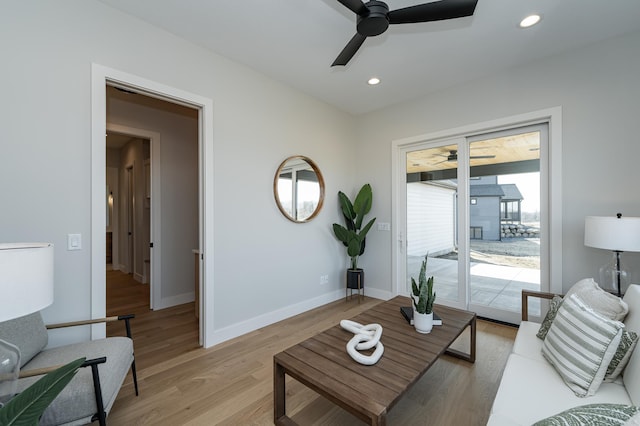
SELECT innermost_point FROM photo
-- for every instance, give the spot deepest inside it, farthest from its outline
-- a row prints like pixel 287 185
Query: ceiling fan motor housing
pixel 376 22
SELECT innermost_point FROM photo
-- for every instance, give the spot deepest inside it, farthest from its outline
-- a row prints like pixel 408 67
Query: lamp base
pixel 9 371
pixel 613 277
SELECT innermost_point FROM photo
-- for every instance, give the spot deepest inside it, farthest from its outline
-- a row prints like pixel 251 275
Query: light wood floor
pixel 232 383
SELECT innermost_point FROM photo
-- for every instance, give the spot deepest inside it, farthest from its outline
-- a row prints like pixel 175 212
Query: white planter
pixel 423 322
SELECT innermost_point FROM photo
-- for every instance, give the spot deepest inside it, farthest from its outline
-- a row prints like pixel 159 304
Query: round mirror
pixel 298 187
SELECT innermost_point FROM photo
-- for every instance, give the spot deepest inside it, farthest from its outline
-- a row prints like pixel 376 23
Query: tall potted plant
pixel 353 235
pixel 423 298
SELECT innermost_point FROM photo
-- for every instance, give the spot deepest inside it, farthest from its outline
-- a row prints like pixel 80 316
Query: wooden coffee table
pixel 369 392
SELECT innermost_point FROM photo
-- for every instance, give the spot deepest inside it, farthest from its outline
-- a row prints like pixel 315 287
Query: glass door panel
pixel 431 218
pixel 504 220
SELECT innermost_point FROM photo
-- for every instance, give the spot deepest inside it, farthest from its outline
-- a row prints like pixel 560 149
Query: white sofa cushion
pixel 526 343
pixel 532 390
pixel 580 345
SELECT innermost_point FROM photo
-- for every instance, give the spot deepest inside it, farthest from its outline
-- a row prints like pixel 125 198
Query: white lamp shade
pixel 612 233
pixel 26 278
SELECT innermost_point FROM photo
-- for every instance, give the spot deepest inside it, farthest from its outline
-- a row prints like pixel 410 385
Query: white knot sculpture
pixel 366 337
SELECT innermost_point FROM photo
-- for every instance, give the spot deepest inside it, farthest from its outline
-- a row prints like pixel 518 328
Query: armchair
pixel 91 393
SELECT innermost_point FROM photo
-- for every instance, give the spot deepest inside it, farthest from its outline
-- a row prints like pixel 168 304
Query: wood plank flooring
pixel 232 383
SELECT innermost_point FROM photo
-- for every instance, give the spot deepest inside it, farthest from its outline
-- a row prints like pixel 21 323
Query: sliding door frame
pixel 553 117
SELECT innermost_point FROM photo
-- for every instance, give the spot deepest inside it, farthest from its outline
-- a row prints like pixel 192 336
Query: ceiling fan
pixel 453 156
pixel 374 18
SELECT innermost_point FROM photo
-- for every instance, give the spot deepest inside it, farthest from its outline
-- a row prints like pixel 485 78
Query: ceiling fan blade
pixel 355 6
pixel 349 50
pixel 474 157
pixel 436 11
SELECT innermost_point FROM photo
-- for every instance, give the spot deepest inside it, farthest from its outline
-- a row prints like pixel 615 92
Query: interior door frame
pixel 552 116
pixel 156 203
pixel 101 76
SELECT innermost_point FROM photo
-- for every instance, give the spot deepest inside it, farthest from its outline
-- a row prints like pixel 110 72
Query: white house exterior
pixel 431 217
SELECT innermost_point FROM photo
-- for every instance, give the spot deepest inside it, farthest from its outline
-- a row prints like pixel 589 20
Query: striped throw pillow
pixel 580 345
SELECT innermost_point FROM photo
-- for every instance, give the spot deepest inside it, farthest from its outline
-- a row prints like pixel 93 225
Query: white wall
pixel 263 263
pixel 597 88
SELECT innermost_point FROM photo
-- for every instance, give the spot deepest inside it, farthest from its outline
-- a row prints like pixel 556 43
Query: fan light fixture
pixel 530 21
pixel 373 81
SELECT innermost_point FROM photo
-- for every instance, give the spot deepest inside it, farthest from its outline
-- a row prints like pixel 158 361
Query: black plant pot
pixel 355 279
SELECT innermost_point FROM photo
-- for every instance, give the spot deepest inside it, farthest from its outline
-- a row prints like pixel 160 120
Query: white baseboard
pixel 378 294
pixel 260 321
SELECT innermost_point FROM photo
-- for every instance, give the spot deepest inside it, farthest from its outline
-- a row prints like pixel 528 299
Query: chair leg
pixel 101 416
pixel 126 319
pixel 135 375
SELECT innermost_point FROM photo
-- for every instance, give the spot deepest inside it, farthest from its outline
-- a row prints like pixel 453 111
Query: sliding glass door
pixel 476 207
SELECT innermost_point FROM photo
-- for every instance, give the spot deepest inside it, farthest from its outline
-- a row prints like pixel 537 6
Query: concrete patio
pixel 494 286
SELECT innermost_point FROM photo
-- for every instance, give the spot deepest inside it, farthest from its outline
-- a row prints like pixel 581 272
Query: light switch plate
pixel 74 241
pixel 384 226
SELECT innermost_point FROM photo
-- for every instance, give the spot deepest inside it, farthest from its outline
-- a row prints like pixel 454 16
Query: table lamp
pixel 26 286
pixel 618 234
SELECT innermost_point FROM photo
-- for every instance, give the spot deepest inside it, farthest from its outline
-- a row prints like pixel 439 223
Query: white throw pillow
pixel 580 345
pixel 604 303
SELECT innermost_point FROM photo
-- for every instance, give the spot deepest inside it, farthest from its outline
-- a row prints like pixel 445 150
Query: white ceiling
pixel 295 41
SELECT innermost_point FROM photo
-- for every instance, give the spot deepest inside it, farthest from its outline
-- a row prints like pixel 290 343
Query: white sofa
pixel 532 390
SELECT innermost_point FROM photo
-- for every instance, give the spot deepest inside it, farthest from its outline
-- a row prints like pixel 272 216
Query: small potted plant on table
pixel 423 297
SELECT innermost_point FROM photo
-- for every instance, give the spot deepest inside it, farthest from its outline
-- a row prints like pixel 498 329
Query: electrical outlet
pixel 324 279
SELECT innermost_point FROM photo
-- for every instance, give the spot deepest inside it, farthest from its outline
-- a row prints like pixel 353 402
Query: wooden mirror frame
pixel 316 170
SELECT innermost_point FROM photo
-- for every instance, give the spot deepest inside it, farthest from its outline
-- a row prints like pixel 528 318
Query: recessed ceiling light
pixel 530 21
pixel 373 81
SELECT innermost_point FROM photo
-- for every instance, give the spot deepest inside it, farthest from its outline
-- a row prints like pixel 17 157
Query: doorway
pixel 102 76
pixel 137 152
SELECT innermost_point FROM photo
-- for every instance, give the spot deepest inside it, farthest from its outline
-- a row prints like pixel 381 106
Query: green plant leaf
pixel 364 200
pixel 26 408
pixel 362 204
pixel 367 227
pixel 414 287
pixel 341 233
pixel 353 250
pixel 347 208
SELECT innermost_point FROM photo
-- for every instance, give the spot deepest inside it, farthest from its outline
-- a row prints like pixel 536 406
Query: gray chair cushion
pixel 76 403
pixel 28 333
